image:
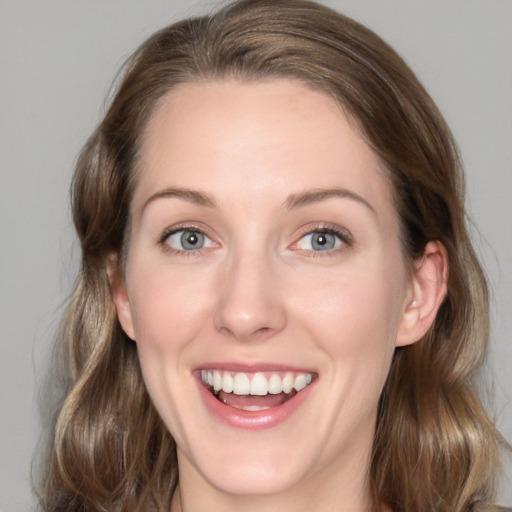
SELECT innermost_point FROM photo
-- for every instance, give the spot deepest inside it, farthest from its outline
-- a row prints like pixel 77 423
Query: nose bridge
pixel 249 304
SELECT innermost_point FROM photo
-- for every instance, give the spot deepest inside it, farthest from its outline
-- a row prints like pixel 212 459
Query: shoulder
pixel 485 507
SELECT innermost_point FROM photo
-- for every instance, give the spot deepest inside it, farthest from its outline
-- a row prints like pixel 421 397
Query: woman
pixel 278 307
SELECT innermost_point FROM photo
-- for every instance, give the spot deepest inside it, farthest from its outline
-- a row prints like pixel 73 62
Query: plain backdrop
pixel 57 60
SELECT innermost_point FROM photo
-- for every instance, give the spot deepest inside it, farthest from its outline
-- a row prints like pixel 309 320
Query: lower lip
pixel 253 420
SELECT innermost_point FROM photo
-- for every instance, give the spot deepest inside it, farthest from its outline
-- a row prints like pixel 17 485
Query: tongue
pixel 246 401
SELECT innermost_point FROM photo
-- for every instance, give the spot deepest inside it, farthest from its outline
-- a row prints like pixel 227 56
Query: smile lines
pixel 257 384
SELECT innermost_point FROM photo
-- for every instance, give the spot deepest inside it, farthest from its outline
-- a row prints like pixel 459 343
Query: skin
pixel 258 292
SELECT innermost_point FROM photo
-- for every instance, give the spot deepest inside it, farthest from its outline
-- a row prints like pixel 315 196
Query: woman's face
pixel 264 254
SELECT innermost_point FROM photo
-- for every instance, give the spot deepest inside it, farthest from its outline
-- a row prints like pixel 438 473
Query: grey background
pixel 57 60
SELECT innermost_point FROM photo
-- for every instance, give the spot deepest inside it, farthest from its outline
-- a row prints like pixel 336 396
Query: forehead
pixel 242 139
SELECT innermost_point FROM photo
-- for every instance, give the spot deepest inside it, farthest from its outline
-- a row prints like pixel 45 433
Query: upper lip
pixel 252 367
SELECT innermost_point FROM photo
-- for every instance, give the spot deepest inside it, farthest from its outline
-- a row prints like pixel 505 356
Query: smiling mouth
pixel 254 391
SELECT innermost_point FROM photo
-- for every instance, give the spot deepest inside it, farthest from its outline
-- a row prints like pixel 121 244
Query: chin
pixel 257 478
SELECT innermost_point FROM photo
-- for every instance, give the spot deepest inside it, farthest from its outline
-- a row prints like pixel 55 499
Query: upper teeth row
pixel 242 383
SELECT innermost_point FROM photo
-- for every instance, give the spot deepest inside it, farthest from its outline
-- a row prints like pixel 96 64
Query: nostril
pixel 247 329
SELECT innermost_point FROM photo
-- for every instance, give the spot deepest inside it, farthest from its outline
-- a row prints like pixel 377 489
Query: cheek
pixel 168 311
pixel 355 303
pixel 167 308
pixel 354 316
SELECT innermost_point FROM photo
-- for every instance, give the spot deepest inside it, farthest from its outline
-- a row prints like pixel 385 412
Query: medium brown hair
pixel 435 448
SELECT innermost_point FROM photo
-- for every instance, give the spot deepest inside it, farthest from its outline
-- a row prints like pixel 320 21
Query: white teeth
pixel 254 408
pixel 254 384
pixel 217 380
pixel 299 382
pixel 288 382
pixel 241 384
pixel 275 385
pixel 259 385
pixel 227 383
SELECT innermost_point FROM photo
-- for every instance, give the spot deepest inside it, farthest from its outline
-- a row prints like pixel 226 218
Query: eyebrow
pixel 292 202
pixel 317 195
pixel 186 194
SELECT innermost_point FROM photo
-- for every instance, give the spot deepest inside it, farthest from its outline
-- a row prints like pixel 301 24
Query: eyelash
pixel 343 235
pixel 162 241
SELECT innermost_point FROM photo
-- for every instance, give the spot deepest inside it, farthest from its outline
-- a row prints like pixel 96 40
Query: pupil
pixel 192 240
pixel 323 241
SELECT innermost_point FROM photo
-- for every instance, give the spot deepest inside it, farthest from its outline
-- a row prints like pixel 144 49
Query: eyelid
pixel 186 226
pixel 343 234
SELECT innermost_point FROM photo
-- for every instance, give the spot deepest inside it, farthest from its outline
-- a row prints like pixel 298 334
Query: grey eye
pixel 192 240
pixel 188 240
pixel 319 241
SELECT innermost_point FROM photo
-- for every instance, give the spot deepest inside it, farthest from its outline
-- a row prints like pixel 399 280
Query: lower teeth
pixel 245 403
pixel 250 408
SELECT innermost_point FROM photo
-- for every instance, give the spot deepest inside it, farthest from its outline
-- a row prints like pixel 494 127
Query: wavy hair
pixel 435 447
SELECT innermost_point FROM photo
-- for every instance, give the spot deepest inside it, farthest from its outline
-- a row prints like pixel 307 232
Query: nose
pixel 249 305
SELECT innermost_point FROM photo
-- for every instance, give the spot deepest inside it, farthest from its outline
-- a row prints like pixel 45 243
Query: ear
pixel 426 293
pixel 119 295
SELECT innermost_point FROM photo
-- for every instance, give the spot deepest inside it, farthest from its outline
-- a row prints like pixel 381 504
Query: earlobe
pixel 119 295
pixel 427 291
